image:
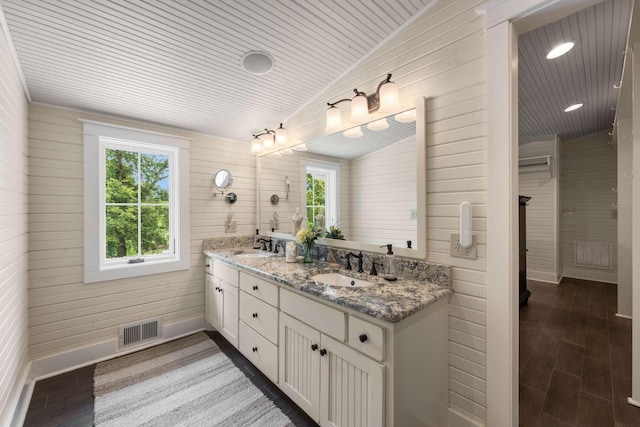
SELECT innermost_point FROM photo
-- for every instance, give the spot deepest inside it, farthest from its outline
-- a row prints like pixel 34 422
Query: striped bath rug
pixel 187 382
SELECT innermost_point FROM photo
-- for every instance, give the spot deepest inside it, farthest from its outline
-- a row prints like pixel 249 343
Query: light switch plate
pixel 460 252
pixel 231 227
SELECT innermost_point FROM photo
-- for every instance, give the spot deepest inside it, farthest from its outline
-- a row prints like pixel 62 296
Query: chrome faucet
pixel 359 257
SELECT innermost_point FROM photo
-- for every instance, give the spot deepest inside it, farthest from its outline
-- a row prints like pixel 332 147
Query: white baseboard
pixel 624 316
pixel 541 276
pixel 605 276
pixel 633 402
pixel 458 419
pixel 18 401
pixel 85 356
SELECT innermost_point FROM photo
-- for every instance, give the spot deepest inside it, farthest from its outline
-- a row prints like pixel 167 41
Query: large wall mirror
pixel 370 183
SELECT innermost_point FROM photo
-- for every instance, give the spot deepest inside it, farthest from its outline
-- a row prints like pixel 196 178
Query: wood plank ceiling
pixel 586 74
pixel 178 63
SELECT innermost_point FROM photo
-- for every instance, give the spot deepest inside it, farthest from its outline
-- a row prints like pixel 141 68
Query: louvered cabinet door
pixel 299 373
pixel 229 318
pixel 352 387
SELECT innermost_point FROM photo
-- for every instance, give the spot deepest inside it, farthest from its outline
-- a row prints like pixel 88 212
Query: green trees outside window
pixel 136 203
pixel 316 196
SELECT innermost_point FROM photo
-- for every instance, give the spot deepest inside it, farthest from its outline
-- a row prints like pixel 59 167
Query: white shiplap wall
pixel 388 176
pixel 13 232
pixel 66 314
pixel 588 175
pixel 440 56
pixel 542 212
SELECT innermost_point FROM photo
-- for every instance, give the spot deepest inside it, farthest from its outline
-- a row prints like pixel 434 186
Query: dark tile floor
pixel 67 399
pixel 575 357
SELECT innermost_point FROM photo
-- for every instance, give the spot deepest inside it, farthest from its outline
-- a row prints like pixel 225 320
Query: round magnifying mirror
pixel 223 180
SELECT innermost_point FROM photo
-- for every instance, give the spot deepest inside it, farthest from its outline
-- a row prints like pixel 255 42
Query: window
pixel 136 202
pixel 321 196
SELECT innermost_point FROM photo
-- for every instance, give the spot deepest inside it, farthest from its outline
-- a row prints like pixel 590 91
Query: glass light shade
pixel 381 124
pixel 281 135
pixel 334 119
pixel 256 145
pixel 300 147
pixel 355 132
pixel 389 98
pixel 359 109
pixel 406 116
pixel 267 141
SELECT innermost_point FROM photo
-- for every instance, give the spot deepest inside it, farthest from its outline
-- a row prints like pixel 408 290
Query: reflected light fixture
pixel 381 124
pixel 256 145
pixel 406 116
pixel 384 100
pixel 573 107
pixel 560 50
pixel 281 135
pixel 355 132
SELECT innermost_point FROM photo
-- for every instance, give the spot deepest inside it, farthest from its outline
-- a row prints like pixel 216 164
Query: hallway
pixel 575 357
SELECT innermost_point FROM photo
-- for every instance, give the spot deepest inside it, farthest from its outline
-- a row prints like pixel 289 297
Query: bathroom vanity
pixel 374 355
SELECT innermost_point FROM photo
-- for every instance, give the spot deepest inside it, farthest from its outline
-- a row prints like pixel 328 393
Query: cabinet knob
pixel 216 288
pixel 254 349
pixel 323 352
pixel 220 290
pixel 255 315
pixel 363 337
pixel 255 288
pixel 314 347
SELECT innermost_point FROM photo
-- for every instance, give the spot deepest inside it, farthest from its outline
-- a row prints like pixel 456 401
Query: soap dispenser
pixel 256 244
pixel 389 264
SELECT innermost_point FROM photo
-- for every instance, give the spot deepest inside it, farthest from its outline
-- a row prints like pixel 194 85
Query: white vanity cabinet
pixel 333 383
pixel 259 323
pixel 222 301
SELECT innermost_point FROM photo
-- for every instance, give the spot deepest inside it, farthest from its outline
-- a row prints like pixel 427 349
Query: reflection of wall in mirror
pixel 384 191
pixel 272 181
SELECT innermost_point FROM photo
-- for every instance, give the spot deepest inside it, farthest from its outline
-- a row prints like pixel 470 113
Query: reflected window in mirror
pixel 321 195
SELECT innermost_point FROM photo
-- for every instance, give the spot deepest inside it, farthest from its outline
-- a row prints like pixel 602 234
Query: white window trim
pixel 94 269
pixel 332 216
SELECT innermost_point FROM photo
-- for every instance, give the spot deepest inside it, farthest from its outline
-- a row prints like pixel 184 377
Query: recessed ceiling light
pixel 560 50
pixel 573 107
pixel 257 62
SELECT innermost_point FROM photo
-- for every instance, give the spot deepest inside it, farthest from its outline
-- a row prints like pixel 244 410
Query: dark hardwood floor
pixel 575 357
pixel 67 399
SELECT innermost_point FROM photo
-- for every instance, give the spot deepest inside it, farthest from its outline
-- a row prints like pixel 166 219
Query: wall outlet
pixel 460 252
pixel 413 214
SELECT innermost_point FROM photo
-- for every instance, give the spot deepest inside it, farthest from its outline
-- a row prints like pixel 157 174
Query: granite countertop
pixel 388 301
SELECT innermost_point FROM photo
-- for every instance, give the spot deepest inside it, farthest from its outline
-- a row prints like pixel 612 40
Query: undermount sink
pixel 255 255
pixel 340 280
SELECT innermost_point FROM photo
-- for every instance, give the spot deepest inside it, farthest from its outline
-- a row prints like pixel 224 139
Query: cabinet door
pixel 352 387
pixel 299 372
pixel 213 300
pixel 229 318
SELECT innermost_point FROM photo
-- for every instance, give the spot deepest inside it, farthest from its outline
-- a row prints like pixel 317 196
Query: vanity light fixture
pixel 355 132
pixel 573 107
pixel 268 139
pixel 384 100
pixel 560 50
pixel 381 124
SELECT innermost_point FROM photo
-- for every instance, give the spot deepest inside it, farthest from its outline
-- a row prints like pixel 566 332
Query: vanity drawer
pixel 260 316
pixel 317 315
pixel 259 288
pixel 366 338
pixel 265 356
pixel 225 272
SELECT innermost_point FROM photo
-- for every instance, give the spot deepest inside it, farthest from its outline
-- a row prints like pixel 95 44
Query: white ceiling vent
pixel 135 334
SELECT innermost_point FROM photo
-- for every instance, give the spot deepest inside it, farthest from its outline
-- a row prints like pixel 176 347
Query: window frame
pixel 332 188
pixel 97 138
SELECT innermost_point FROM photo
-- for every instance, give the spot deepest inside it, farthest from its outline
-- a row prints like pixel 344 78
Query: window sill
pixel 125 271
